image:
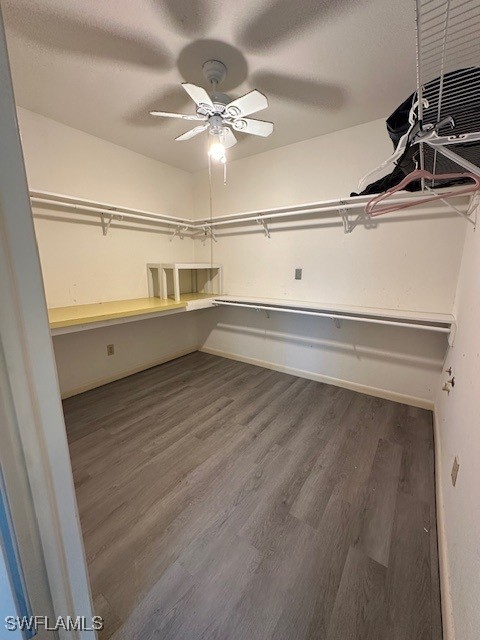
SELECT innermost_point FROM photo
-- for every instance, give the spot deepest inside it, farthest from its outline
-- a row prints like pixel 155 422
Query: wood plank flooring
pixel 224 501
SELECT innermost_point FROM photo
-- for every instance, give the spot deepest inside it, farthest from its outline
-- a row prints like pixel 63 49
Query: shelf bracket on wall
pixel 265 227
pixel 265 311
pixel 204 234
pixel 179 231
pixel 472 209
pixel 346 222
pixel 106 223
pixel 350 225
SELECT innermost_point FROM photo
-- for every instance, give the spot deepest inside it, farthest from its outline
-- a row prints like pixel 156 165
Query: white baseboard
pixel 444 566
pixel 423 403
pixel 128 372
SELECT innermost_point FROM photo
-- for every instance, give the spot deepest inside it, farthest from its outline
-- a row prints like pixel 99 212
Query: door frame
pixel 28 364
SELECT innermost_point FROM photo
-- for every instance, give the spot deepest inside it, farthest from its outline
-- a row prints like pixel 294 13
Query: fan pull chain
pixel 210 188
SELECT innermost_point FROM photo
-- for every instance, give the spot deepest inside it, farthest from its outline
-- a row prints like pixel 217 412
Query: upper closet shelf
pixel 351 210
pixel 92 316
pixel 436 322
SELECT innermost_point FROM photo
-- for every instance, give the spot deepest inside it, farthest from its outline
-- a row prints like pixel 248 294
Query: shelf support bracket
pixel 350 225
pixel 106 223
pixel 209 233
pixel 265 227
pixel 205 233
pixel 346 222
pixel 179 231
pixel 265 311
pixel 466 215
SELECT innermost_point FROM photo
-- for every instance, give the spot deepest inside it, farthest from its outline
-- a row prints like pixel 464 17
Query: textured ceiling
pixel 101 66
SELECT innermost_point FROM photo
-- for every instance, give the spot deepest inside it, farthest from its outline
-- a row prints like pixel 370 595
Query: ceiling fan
pixel 219 114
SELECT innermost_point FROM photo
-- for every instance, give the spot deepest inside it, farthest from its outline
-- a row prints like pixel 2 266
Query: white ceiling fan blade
pixel 255 127
pixel 193 132
pixel 245 105
pixel 181 116
pixel 199 96
pixel 228 138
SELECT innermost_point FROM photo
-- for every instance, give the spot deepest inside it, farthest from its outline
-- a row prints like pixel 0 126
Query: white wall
pixel 399 364
pixel 80 265
pixel 398 264
pixel 409 261
pixel 81 357
pixel 458 434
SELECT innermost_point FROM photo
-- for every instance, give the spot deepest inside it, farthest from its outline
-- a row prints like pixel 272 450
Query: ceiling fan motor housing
pixel 216 124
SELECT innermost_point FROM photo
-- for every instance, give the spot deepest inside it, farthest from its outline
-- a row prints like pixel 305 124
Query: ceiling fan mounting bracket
pixel 214 71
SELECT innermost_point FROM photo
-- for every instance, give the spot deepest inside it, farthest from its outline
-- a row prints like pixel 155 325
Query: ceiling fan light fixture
pixel 216 149
pixel 220 115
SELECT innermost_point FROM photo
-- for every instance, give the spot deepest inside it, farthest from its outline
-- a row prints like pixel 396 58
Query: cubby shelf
pixel 164 279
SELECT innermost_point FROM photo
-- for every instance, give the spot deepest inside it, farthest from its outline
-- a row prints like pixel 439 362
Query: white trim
pixel 31 372
pixel 443 561
pixel 413 401
pixel 128 372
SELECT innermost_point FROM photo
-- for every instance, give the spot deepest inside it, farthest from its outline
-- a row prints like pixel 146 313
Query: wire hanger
pixel 373 210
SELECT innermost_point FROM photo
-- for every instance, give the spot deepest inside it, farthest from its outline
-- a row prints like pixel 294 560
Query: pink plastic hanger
pixel 418 174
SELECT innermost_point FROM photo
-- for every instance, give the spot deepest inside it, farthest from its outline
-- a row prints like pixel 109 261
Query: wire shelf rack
pixel 448 79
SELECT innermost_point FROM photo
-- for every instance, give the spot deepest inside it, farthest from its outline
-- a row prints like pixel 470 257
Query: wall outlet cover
pixel 455 468
pixel 110 349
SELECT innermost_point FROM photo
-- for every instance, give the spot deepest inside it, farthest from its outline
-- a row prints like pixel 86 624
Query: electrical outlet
pixel 298 274
pixel 455 468
pixel 110 350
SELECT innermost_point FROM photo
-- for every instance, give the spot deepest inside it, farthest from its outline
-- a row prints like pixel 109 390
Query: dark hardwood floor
pixel 219 500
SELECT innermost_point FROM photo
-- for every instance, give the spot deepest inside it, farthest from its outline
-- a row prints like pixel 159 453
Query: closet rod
pixel 333 204
pixel 340 207
pixel 335 316
pixel 58 198
pixel 284 212
pixel 87 209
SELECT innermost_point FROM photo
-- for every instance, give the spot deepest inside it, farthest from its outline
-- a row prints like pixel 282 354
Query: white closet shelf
pixel 81 317
pixel 437 322
pixel 343 207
